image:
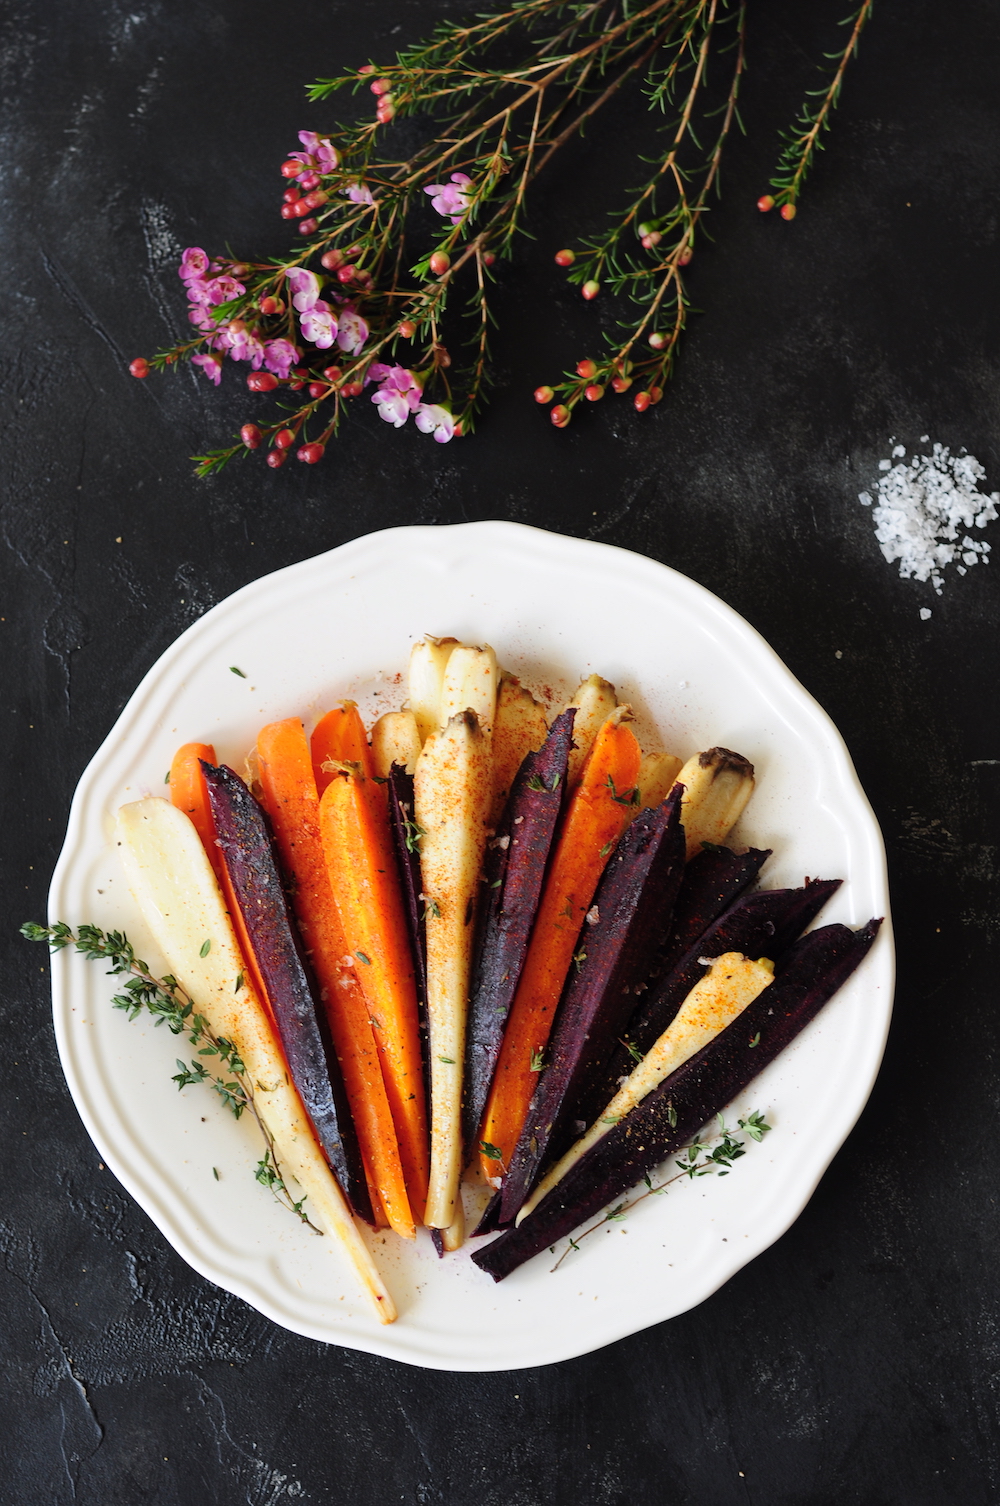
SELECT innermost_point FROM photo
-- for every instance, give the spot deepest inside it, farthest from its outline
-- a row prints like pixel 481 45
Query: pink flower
pixel 359 194
pixel 319 324
pixel 319 152
pixel 431 418
pixel 280 356
pixel 201 317
pixel 194 263
pixel 352 332
pixel 453 201
pixel 244 346
pixel 219 290
pixel 305 289
pixel 398 395
pixel 210 365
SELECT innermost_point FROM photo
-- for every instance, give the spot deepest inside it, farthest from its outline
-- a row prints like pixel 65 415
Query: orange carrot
pixel 189 792
pixel 366 889
pixel 597 813
pixel 289 796
pixel 190 795
pixel 340 737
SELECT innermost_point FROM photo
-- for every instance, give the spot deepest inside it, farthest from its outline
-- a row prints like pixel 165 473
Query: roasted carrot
pixel 189 793
pixel 340 737
pixel 365 886
pixel 288 789
pixel 598 811
pixel 167 869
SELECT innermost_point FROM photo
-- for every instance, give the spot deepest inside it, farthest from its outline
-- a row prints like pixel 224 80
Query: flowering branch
pixel 369 286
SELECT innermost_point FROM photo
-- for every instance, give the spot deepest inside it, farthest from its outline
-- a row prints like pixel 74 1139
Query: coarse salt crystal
pixel 925 612
pixel 923 509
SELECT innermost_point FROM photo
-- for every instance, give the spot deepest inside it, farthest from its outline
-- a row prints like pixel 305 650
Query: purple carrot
pixel 687 1099
pixel 712 881
pixel 763 924
pixel 515 868
pixel 248 851
pixel 630 918
pixel 406 845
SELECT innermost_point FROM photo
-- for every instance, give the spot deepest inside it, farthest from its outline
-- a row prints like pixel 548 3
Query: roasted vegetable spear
pixel 717 785
pixel 629 918
pixel 597 812
pixel 689 1097
pixel 763 924
pixel 170 875
pixel 288 793
pixel 516 860
pixel 356 843
pixel 251 862
pixel 452 796
pixel 730 984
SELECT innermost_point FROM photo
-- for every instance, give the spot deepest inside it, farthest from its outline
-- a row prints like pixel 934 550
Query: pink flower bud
pixel 276 458
pixel 271 306
pixel 655 393
pixel 309 180
pixel 641 401
pixel 590 289
pixel 765 202
pixel 685 256
pixel 593 393
pixel 290 169
pixel 262 381
pixel 288 212
pixel 308 227
pixel 139 367
pixel 316 198
pixel 565 258
pixel 439 263
pixel 621 383
pixel 381 86
pixel 560 416
pixel 331 260
pixel 652 239
pixel 345 274
pixel 251 436
pixel 366 68
pixel 788 211
pixel 284 439
pixel 544 394
pixel 586 367
pixel 407 329
pixel 657 340
pixel 310 453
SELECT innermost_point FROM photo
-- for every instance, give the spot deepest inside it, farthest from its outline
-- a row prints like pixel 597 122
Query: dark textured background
pixel 859 1359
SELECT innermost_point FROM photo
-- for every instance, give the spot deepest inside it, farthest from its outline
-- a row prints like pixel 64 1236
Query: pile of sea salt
pixel 923 512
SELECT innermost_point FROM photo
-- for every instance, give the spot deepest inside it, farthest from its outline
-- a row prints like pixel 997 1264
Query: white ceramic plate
pixel 555 609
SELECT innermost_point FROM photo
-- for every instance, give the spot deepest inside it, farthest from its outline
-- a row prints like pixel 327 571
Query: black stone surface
pixel 857 1361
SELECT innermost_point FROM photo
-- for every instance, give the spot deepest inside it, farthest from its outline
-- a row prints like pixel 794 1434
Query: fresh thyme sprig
pixel 376 281
pixel 169 1005
pixel 701 1158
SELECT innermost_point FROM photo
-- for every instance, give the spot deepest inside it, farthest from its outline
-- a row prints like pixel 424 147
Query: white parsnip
pixel 395 738
pixel 452 794
pixel 593 702
pixel 518 729
pixel 173 883
pixel 658 774
pixel 731 983
pixel 470 684
pixel 717 785
pixel 428 661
